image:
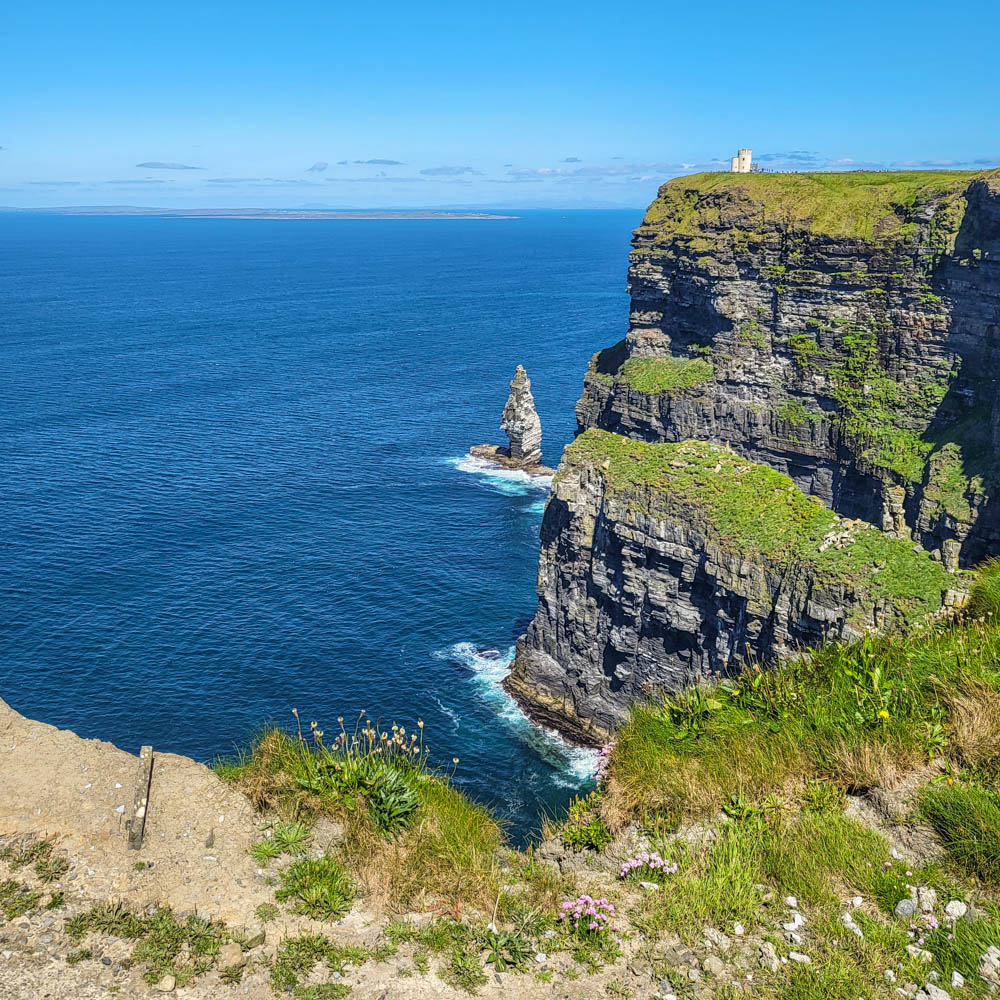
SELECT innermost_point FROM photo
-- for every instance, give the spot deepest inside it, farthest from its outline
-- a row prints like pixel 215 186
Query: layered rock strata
pixel 841 328
pixel 662 564
pixel 520 422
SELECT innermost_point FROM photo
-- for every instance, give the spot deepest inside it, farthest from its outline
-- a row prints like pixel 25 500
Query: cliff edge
pixel 840 330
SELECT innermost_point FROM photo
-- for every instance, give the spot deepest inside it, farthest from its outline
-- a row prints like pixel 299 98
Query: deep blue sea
pixel 232 477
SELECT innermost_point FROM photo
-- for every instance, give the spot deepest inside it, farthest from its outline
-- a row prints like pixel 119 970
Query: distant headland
pixel 258 213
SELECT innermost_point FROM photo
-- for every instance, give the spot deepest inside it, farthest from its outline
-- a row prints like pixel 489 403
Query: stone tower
pixel 745 158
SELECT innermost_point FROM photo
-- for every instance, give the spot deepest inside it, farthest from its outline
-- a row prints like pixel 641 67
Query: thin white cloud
pixel 164 165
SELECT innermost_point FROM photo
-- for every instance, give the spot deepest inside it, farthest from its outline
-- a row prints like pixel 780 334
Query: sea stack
pixel 520 423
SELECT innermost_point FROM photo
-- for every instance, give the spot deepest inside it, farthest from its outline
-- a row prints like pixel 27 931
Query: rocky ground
pixel 75 795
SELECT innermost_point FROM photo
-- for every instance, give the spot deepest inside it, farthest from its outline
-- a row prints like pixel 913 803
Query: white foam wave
pixel 512 482
pixel 573 766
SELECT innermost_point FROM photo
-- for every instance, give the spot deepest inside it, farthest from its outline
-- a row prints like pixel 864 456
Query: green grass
pixel 184 948
pixel 967 819
pixel 851 714
pixel 17 899
pixel 298 956
pixel 410 838
pixel 666 375
pixel 858 204
pixel 756 511
pixel 317 887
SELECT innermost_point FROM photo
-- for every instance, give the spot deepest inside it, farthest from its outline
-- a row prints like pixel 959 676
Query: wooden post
pixel 140 806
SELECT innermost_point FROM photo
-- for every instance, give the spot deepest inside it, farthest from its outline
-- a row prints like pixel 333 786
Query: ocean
pixel 235 482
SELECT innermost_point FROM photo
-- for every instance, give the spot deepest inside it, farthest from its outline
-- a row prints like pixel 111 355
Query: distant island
pixel 258 213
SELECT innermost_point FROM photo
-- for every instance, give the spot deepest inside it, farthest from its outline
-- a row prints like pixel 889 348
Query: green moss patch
pixel 751 509
pixel 666 375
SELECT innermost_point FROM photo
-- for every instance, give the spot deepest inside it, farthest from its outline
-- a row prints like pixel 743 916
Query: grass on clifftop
pixel 666 375
pixel 858 204
pixel 751 509
pixel 408 835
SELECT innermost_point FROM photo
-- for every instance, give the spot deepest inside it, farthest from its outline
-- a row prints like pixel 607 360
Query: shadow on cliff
pixel 965 429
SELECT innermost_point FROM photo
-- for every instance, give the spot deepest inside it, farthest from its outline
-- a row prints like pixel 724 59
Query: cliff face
pixel 841 328
pixel 665 563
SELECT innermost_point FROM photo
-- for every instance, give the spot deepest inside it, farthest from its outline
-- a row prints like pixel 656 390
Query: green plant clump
pixel 318 887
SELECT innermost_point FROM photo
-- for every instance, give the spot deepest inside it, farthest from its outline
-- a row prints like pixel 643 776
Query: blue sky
pixel 461 104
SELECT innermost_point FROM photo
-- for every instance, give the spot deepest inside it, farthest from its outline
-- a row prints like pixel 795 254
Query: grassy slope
pixel 777 751
pixel 859 204
pixel 752 509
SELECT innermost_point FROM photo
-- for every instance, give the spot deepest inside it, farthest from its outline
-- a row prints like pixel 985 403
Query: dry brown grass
pixel 974 719
pixel 871 764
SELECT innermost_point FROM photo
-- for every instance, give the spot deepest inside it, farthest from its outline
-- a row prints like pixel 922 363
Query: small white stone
pixel 738 930
pixel 791 902
pixel 541 958
pixel 797 956
pixel 120 810
pixel 956 909
pixel 856 902
pixel 957 980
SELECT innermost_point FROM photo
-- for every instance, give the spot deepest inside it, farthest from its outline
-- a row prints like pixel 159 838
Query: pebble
pixel 957 980
pixel 722 941
pixel 890 976
pixel 649 886
pixel 905 908
pixel 927 899
pixel 7 954
pixel 856 902
pixel 936 993
pixel 255 936
pixel 166 984
pixel 791 902
pixel 769 957
pixel 797 956
pixel 738 930
pixel 714 965
pixel 795 923
pixel 541 957
pixel 956 908
pixel 231 957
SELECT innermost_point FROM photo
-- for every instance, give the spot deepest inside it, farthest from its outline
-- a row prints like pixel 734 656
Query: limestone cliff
pixel 842 328
pixel 837 331
pixel 662 564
